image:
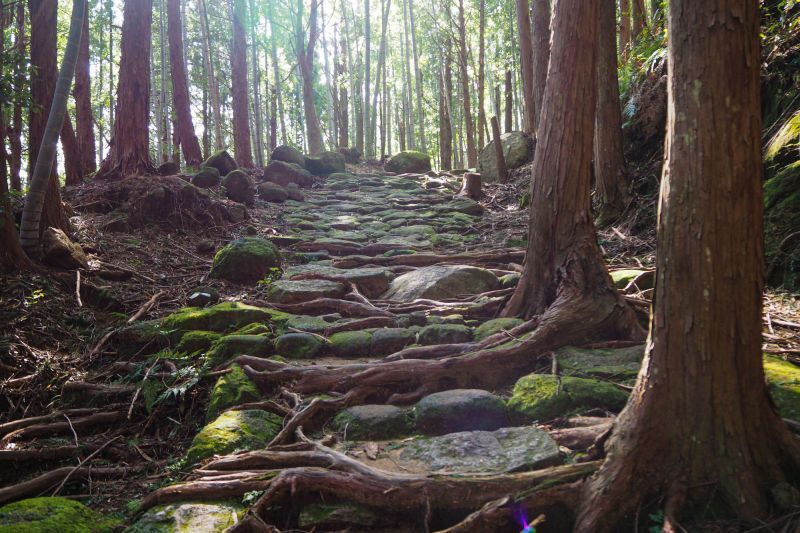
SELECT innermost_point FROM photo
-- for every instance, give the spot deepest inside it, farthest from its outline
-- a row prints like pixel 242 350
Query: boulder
pixel 194 342
pixel 272 192
pixel 351 343
pixel 230 346
pixel 351 155
pixel 52 514
pixel 441 281
pixel 239 187
pixel 374 422
pixel 294 192
pixel 190 516
pixel 371 281
pixel 206 178
pixel 325 163
pixel 202 297
pixel 444 334
pixel 506 450
pixel 284 173
pixel 517 150
pixel 233 431
pixel 408 161
pixel 615 364
pixel 299 345
pixel 222 161
pixel 231 389
pixel 246 260
pixel 387 341
pixel 223 317
pixel 460 410
pixel 290 292
pixel 59 251
pixel 168 168
pixel 545 396
pixel 288 154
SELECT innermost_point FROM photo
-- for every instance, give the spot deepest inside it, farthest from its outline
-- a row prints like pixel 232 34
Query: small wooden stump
pixel 471 186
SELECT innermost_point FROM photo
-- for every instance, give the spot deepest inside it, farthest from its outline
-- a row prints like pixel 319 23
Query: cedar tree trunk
pixel 540 20
pixel 526 57
pixel 81 91
pixel 240 87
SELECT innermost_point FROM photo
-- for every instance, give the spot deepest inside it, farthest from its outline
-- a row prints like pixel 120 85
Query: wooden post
pixel 502 172
pixel 471 185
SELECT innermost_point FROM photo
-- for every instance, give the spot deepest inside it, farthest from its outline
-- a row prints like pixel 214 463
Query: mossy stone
pixel 509 280
pixel 409 161
pixel 234 388
pixel 387 341
pixel 272 192
pixel 325 163
pixel 245 260
pixel 351 343
pixel 460 410
pixel 491 327
pixel 206 178
pixel 231 346
pixel 254 329
pixel 226 316
pixel 544 396
pixel 53 515
pixel 234 431
pixel 222 161
pixel 288 154
pixel 444 334
pixel 196 341
pixel 783 379
pixel 188 517
pixel 374 422
pixel 299 345
pixel 617 364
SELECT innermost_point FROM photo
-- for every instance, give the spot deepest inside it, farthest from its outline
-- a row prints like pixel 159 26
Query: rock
pixel 409 161
pixel 251 230
pixel 517 150
pixel 619 365
pixel 299 345
pixel 336 517
pixel 288 154
pixel 374 422
pixel 351 155
pixel 230 346
pixel 57 515
pixel 460 410
pixel 783 382
pixel 461 205
pixel 115 223
pixel 206 178
pixel 325 163
pixel 202 297
pixel 226 316
pixel 246 260
pixel 222 161
pixel 272 192
pixel 239 187
pixel 351 343
pixel 291 292
pixel 544 397
pixel 168 168
pixel 294 192
pixel 284 173
pixel 237 212
pixel 444 334
pixel 441 281
pixel 512 449
pixel 205 247
pixel 490 327
pixel 387 341
pixel 194 517
pixel 59 251
pixel 509 280
pixel 234 431
pixel 371 281
pixel 231 389
pixel 193 342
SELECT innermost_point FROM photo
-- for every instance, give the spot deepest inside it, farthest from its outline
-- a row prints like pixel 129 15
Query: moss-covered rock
pixel 222 161
pixel 517 150
pixel 408 161
pixel 783 379
pixel 444 334
pixel 374 422
pixel 460 410
pixel 387 341
pixel 283 173
pixel 206 517
pixel 616 364
pixel 223 317
pixel 290 292
pixel 544 397
pixel 234 431
pixel 441 281
pixel 245 260
pixel 299 345
pixel 234 388
pixel 231 346
pixel 351 343
pixel 272 192
pixel 206 178
pixel 53 515
pixel 254 329
pixel 196 341
pixel 490 327
pixel 782 218
pixel 288 154
pixel 336 517
pixel 509 280
pixel 325 163
pixel 239 187
pixel 311 324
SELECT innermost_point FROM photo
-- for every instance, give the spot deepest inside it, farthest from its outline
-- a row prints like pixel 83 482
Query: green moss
pixel 233 431
pixel 299 345
pixel 52 515
pixel 621 364
pixel 231 346
pixel 188 517
pixel 787 137
pixel 444 334
pixel 234 388
pixel 351 343
pixel 493 326
pixel 245 260
pixel 196 341
pixel 782 218
pixel 622 278
pixel 783 379
pixel 226 316
pixel 542 397
pixel 254 329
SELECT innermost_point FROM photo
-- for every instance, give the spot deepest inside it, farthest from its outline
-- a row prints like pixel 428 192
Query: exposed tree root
pixel 53 478
pixel 363 323
pixel 14 425
pixel 56 428
pixel 328 305
pixel 421 260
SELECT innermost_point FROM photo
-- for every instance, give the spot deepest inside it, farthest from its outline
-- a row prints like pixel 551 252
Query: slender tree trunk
pixel 699 428
pixel 509 94
pixel 638 14
pixel 276 87
pixel 256 71
pixel 240 86
pixel 369 145
pixel 213 85
pixel 82 93
pixel 610 174
pixel 540 20
pixel 184 126
pixel 482 124
pixel 46 209
pixel 344 119
pixel 502 173
pixel 445 122
pixel 409 91
pixel 418 79
pixel 526 58
pixel 472 152
pixel 164 87
pixel 15 132
pixel 305 59
pixel 110 14
pixel 73 167
pixel 624 26
pixel 385 5
pixel 42 180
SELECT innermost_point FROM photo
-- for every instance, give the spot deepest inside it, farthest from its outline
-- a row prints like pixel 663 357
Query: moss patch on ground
pixel 53 515
pixel 783 379
pixel 234 388
pixel 234 431
pixel 544 396
pixel 223 317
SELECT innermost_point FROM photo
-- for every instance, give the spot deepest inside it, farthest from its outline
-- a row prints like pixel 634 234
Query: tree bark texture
pixel 502 173
pixel 509 110
pixel 540 20
pixel 305 58
pixel 469 125
pixel 624 26
pixel 417 79
pixel 445 122
pixel 81 91
pixel 73 166
pixel 699 428
pixel 240 87
pixel 526 58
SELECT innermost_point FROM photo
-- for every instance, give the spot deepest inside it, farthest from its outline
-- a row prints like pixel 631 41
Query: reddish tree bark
pixel 624 26
pixel 15 132
pixel 638 14
pixel 43 15
pixel 81 91
pixel 73 166
pixel 526 57
pixel 305 59
pixel 184 127
pixel 699 428
pixel 540 20
pixel 469 125
pixel 240 86
pixel 129 153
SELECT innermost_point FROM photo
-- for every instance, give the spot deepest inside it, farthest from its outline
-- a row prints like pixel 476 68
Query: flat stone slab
pixel 290 292
pixel 441 281
pixel 372 282
pixel 460 410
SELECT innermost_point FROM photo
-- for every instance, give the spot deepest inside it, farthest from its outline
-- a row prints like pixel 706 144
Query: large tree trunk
pixel 82 93
pixel 73 166
pixel 240 86
pixel 341 78
pixel 624 26
pixel 305 58
pixel 611 175
pixel 43 15
pixel 184 126
pixel 129 153
pixel 699 428
pixel 482 124
pixel 469 125
pixel 213 86
pixel 526 57
pixel 540 20
pixel 15 132
pixel 638 14
pixel 509 109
